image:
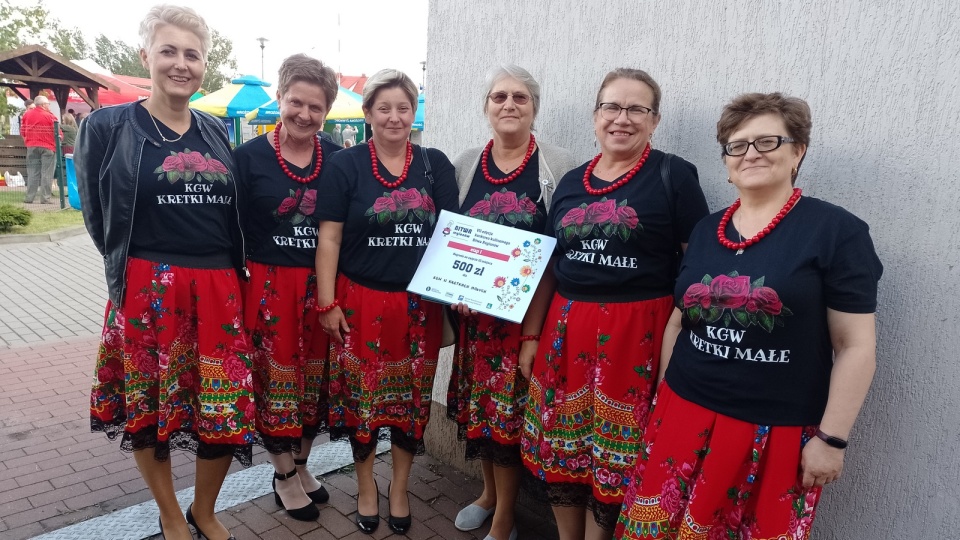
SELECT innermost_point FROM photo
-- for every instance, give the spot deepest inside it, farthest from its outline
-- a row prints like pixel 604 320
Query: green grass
pixel 42 222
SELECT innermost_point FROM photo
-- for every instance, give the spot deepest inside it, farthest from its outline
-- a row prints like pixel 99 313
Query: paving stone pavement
pixel 54 473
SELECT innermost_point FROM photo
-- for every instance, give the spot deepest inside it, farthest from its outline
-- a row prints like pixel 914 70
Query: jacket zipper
pixel 133 209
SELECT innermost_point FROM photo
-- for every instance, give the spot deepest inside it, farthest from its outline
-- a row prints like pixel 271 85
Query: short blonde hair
pixel 386 79
pixel 179 16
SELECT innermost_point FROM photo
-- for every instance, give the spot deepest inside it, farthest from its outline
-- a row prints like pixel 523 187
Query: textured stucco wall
pixel 883 80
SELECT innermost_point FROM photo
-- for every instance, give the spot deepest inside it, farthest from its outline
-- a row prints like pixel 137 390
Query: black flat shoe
pixel 399 525
pixel 367 524
pixel 319 496
pixel 200 534
pixel 307 513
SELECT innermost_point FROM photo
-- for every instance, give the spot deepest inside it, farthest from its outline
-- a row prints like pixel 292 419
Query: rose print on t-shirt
pixel 606 216
pixel 403 204
pixel 734 298
pixel 189 166
pixel 505 206
pixel 302 210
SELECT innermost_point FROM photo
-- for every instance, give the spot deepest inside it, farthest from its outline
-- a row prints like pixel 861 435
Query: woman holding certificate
pixel 620 221
pixel 509 181
pixel 376 216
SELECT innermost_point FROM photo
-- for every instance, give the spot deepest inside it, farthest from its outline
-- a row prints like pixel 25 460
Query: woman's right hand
pixel 334 324
pixel 462 309
pixel 528 351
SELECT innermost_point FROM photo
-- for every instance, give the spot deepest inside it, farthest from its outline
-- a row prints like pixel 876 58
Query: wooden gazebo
pixel 33 68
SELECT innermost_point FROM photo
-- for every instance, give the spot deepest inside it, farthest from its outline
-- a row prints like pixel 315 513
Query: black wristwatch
pixel 835 442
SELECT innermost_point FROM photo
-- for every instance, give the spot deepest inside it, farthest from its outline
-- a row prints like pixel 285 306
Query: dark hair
pixel 794 111
pixel 302 68
pixel 634 75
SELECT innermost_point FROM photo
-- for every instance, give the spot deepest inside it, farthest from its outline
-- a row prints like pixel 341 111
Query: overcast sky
pixel 352 36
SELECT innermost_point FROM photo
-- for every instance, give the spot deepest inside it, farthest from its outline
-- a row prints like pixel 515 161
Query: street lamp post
pixel 263 45
pixel 423 78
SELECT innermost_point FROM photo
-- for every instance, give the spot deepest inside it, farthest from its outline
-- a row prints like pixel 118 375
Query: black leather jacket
pixel 107 161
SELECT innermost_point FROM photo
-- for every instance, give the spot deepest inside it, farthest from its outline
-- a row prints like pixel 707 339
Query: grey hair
pixel 179 16
pixel 386 79
pixel 41 100
pixel 511 71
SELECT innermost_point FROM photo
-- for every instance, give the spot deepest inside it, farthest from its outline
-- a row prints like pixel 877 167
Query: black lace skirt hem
pixel 285 445
pixel 501 455
pixel 178 440
pixel 569 494
pixel 396 436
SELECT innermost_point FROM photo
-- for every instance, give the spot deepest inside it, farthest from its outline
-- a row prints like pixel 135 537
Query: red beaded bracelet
pixel 530 338
pixel 325 309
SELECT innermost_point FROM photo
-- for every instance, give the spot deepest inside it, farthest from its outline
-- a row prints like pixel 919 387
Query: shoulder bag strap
pixel 426 164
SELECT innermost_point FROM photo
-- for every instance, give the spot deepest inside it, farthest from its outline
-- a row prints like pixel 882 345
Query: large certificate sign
pixel 492 268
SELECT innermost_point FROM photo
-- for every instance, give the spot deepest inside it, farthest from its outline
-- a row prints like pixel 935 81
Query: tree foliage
pixel 21 26
pixel 70 43
pixel 219 59
pixel 118 57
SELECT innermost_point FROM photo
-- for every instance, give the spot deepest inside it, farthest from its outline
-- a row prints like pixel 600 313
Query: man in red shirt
pixel 37 131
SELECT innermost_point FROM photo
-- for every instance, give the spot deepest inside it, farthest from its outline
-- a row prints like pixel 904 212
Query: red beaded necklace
pixel 740 246
pixel 630 174
pixel 283 162
pixel 510 177
pixel 376 169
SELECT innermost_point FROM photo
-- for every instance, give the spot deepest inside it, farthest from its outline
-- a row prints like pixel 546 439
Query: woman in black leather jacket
pixel 159 197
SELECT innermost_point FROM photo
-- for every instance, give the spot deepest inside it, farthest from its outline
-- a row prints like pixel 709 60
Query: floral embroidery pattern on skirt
pixel 382 376
pixel 706 476
pixel 290 355
pixel 173 367
pixel 589 399
pixel 487 394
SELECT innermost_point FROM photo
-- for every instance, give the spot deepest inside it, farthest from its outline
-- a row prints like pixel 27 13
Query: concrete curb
pixel 53 236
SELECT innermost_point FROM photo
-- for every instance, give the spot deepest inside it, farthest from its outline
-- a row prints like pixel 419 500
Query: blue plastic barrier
pixel 72 195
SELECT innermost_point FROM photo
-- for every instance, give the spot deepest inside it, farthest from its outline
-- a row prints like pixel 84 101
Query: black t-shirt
pixel 385 231
pixel 280 226
pixel 755 343
pixel 185 201
pixel 513 204
pixel 622 246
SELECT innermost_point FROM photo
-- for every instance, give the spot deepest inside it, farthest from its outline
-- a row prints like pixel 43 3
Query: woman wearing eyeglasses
pixel 771 348
pixel 620 221
pixel 510 181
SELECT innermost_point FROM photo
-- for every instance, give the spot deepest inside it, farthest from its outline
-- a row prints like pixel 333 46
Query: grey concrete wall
pixel 883 80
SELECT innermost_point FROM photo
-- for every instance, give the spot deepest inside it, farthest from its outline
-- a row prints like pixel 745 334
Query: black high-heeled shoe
pixel 307 513
pixel 319 496
pixel 160 523
pixel 399 525
pixel 192 522
pixel 367 524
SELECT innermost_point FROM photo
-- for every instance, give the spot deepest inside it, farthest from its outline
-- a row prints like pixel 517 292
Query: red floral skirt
pixel 382 375
pixel 173 369
pixel 487 393
pixel 290 355
pixel 589 399
pixel 703 475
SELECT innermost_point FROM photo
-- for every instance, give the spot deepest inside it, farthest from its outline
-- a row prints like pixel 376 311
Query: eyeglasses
pixel 763 144
pixel 501 97
pixel 611 111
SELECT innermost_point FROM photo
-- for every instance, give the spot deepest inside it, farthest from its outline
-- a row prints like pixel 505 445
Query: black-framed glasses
pixel 501 97
pixel 768 143
pixel 611 111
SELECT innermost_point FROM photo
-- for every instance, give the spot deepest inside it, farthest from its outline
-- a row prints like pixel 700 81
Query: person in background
pixel 379 210
pixel 158 188
pixel 68 126
pixel 620 222
pixel 37 129
pixel 349 133
pixel 280 175
pixel 509 181
pixel 770 350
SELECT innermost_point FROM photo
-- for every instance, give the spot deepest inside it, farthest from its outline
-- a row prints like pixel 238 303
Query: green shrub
pixel 11 216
